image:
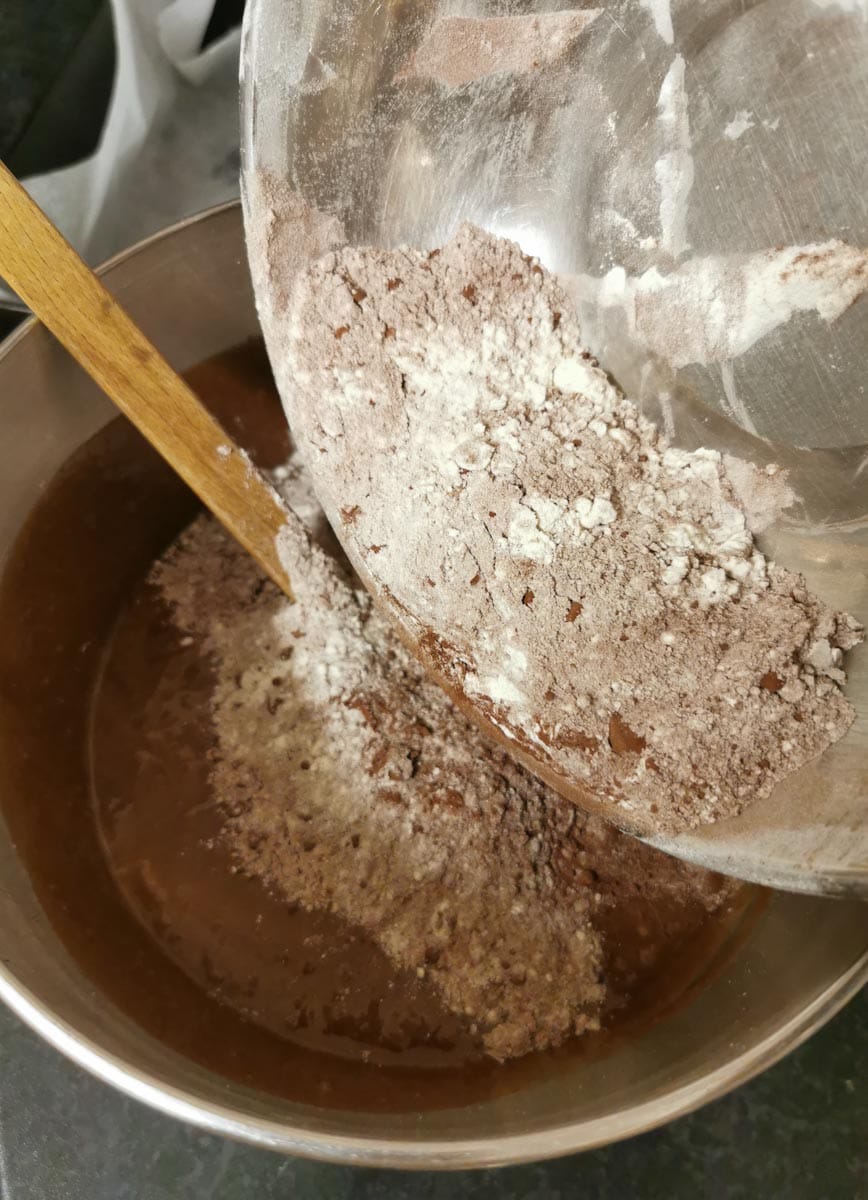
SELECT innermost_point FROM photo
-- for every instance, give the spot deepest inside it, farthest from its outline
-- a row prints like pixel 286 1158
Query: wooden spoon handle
pixel 48 275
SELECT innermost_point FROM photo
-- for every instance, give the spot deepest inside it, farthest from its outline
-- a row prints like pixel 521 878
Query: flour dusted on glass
pixel 594 592
pixel 674 170
pixel 716 308
pixel 661 14
pixel 739 125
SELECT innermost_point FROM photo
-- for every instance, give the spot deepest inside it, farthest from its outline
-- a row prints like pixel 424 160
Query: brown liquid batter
pixel 104 726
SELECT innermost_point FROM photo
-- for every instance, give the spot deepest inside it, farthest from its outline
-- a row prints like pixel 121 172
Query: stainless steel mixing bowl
pixel 796 965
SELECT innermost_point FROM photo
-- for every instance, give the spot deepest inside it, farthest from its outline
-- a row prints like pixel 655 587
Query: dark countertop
pixel 799 1132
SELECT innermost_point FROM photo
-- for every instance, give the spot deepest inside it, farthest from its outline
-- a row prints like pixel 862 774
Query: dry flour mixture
pixel 595 593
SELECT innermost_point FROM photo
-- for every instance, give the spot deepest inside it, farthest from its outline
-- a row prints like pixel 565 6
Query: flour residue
pixel 740 124
pixel 715 308
pixel 283 233
pixel 661 14
pixel 736 409
pixel 859 7
pixel 318 76
pixel 617 220
pixel 674 168
pixel 764 492
pixel 459 50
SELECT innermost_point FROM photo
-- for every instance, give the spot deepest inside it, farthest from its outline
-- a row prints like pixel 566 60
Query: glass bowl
pixel 696 174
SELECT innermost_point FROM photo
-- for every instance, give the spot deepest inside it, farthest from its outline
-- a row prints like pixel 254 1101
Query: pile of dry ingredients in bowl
pixel 350 783
pixel 595 593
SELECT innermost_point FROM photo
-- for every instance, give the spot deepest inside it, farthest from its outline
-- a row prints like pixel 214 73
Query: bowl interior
pixel 189 290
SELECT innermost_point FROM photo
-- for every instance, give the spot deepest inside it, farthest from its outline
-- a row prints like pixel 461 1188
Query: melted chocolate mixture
pixel 104 727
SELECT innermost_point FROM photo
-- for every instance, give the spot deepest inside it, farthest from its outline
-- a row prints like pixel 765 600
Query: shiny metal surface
pixel 670 141
pixel 800 961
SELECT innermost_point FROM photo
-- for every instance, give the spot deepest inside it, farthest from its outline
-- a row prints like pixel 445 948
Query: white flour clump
pixel 593 591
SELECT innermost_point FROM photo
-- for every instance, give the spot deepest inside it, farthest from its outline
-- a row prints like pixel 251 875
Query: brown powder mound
pixel 592 595
pixel 351 784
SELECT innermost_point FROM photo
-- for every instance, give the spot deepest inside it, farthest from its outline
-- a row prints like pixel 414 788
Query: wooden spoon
pixel 65 294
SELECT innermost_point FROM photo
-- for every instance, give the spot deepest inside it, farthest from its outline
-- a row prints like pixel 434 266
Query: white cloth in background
pixel 169 145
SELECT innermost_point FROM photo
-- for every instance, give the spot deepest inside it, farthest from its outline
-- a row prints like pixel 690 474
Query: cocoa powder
pixel 484 457
pixel 350 783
